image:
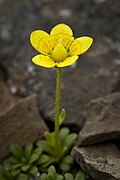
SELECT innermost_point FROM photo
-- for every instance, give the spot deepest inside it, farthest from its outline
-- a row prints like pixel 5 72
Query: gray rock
pixel 20 124
pixel 101 162
pixel 6 98
pixel 102 120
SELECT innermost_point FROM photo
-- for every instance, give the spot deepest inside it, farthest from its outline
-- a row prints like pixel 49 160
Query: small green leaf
pixel 63 133
pixel 22 177
pixel 41 143
pixel 52 170
pixel 68 159
pixel 43 176
pixel 50 138
pixel 15 172
pixel 70 139
pixel 43 159
pixel 24 160
pixel 17 166
pixel 80 176
pixel 47 147
pixel 69 176
pixel 61 116
pixel 33 170
pixel 51 177
pixel 16 150
pixel 65 167
pixel 59 177
pixel 13 160
pixel 64 150
pixel 38 151
pixel 46 164
pixel 52 150
pixel 28 150
pixel 25 168
pixel 33 158
pixel 7 165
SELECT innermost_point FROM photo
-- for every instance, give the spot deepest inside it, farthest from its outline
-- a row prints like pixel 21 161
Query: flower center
pixel 59 53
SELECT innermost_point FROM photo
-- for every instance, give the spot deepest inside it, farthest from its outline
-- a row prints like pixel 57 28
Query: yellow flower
pixel 59 49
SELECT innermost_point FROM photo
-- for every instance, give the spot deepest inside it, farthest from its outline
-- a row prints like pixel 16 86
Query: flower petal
pixel 68 61
pixel 46 45
pixel 36 36
pixel 44 61
pixel 85 42
pixel 62 28
pixel 75 48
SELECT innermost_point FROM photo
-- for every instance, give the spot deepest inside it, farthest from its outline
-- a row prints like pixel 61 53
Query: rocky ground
pixel 95 75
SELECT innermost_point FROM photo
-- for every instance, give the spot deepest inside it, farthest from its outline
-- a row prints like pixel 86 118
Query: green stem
pixel 57 103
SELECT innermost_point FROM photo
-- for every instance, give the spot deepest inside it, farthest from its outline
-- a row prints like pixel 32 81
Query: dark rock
pixel 21 124
pixel 91 77
pixel 101 162
pixel 102 120
pixel 6 98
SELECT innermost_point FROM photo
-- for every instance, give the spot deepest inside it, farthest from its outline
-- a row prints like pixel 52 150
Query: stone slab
pixel 21 124
pixel 101 162
pixel 102 120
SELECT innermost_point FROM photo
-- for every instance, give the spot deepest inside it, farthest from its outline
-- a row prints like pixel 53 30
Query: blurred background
pixel 96 73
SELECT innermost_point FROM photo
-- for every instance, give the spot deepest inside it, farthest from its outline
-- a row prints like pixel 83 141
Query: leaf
pixel 63 133
pixel 64 150
pixel 38 151
pixel 17 166
pixel 65 167
pixel 25 168
pixel 43 159
pixel 7 165
pixel 61 116
pixel 80 176
pixel 15 172
pixel 33 158
pixel 28 150
pixel 43 176
pixel 59 177
pixel 23 160
pixel 69 176
pixel 51 177
pixel 48 163
pixel 48 148
pixel 52 170
pixel 68 159
pixel 33 170
pixel 70 140
pixel 50 138
pixel 16 150
pixel 41 143
pixel 13 160
pixel 22 177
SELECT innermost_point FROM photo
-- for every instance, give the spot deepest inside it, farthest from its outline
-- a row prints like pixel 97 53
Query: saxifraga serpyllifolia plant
pixel 57 50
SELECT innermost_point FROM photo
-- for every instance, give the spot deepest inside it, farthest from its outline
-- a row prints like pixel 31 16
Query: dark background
pixel 96 73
